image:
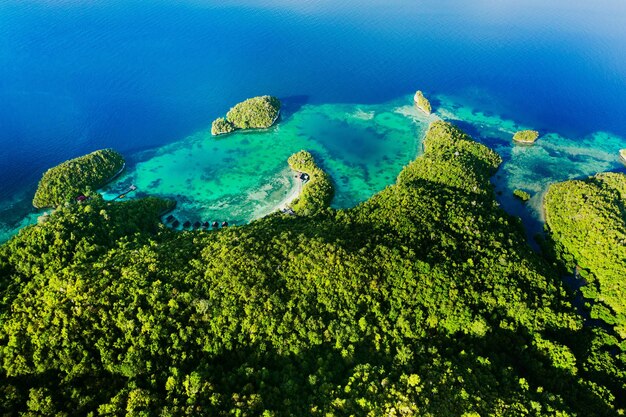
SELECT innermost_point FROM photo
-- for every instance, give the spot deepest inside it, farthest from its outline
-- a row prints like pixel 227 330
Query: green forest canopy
pixel 317 192
pixel 587 221
pixel 424 300
pixel 526 136
pixel 254 113
pixel 78 176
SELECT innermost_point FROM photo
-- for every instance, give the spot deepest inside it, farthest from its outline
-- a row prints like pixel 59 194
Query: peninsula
pixel 254 113
pixel 77 177
pixel 318 191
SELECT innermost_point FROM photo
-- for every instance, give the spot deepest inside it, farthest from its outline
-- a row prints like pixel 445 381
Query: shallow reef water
pixel 532 168
pixel 244 175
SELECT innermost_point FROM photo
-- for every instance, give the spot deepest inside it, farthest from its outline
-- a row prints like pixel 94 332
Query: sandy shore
pixel 292 195
pixel 284 203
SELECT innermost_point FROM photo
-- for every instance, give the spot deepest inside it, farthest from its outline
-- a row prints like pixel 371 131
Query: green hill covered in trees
pixel 318 191
pixel 76 177
pixel 587 221
pixel 424 300
pixel 254 113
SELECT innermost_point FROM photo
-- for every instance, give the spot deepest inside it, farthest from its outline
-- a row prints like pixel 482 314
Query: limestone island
pixel 254 113
pixel 422 102
pixel 526 136
pixel 521 194
pixel 77 178
pixel 622 155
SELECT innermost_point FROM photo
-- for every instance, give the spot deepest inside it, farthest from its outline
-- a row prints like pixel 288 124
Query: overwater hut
pixel 215 224
pixel 170 218
pixel 224 224
pixel 196 225
pixel 176 223
pixel 187 224
pixel 205 225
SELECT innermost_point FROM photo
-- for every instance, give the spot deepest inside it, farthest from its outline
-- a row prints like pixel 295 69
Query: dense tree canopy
pixel 318 190
pixel 78 176
pixel 425 300
pixel 254 113
pixel 221 126
pixel 587 220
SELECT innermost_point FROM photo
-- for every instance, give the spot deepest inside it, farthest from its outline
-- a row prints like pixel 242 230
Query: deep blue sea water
pixel 136 75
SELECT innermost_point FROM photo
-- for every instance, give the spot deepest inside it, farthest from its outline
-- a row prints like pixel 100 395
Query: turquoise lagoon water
pixel 244 176
pixel 146 78
pixel 532 168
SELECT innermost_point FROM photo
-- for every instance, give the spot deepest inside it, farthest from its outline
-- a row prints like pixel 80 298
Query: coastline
pixel 291 196
pixel 293 193
pixel 248 129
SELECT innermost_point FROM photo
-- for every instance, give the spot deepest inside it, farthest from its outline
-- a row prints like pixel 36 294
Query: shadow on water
pixel 291 105
pixel 473 131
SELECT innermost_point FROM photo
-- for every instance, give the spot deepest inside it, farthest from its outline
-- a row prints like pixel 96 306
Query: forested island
pixel 526 136
pixel 521 194
pixel 254 113
pixel 424 300
pixel 77 177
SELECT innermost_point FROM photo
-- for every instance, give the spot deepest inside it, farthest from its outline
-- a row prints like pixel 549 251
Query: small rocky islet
pixel 526 136
pixel 422 102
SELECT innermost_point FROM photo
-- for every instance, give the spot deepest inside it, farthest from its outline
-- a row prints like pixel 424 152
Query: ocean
pixel 147 78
